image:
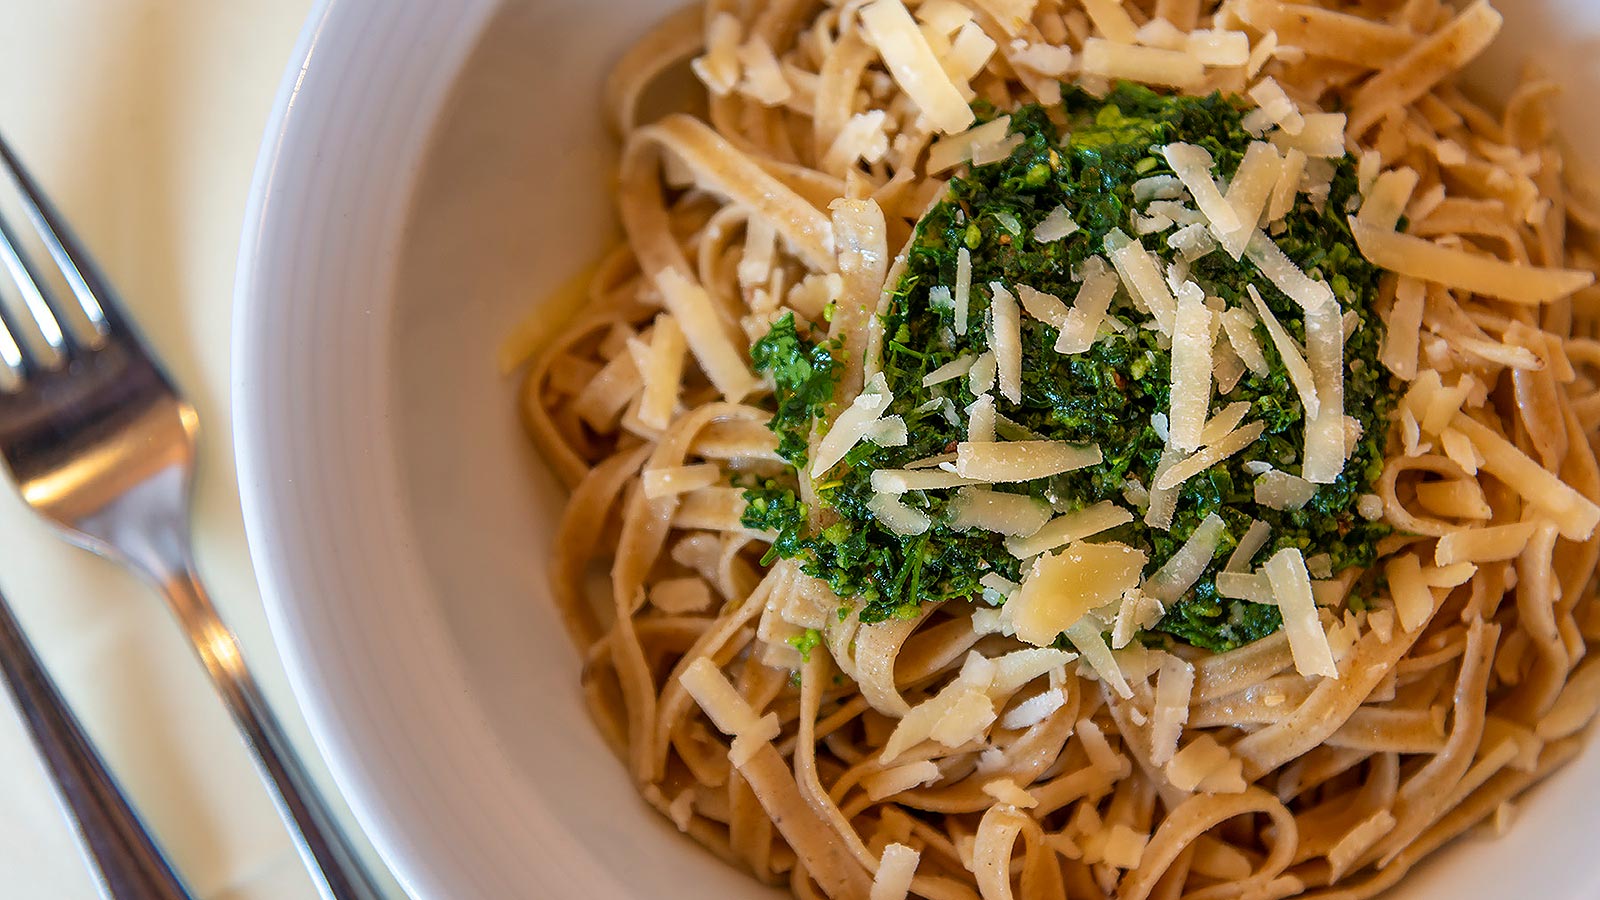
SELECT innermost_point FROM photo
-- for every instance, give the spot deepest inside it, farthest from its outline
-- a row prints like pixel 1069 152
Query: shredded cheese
pixel 1056 225
pixel 1215 453
pixel 1248 195
pixel 1276 108
pixel 1192 164
pixel 1174 689
pixel 1009 514
pixel 1185 566
pixel 1285 275
pixel 1199 759
pixel 952 151
pixel 727 709
pixel 1325 446
pixel 963 292
pixel 1015 461
pixel 1320 137
pixel 1294 362
pixel 897 516
pixel 896 869
pixel 1190 395
pixel 1308 643
pixel 1047 308
pixel 1089 308
pixel 1086 636
pixel 1413 601
pixel 1069 528
pixel 1142 278
pixel 852 425
pixel 951 370
pixel 1062 588
pixel 1005 338
pixel 662 374
pixel 981 420
pixel 1288 186
pixel 1282 491
pixel 911 62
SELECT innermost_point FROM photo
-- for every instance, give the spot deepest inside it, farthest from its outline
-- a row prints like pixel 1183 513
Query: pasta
pixel 1040 735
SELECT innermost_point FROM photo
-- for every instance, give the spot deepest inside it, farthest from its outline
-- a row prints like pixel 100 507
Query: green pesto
pixel 803 375
pixel 1106 396
pixel 805 642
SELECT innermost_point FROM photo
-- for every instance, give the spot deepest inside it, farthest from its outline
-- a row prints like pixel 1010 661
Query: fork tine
pixel 13 353
pixel 33 290
pixel 92 294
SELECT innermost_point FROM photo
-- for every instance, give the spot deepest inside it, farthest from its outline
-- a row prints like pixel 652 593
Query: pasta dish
pixel 1082 448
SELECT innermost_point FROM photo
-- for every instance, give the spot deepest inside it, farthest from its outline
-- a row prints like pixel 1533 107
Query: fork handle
pixel 126 861
pixel 327 853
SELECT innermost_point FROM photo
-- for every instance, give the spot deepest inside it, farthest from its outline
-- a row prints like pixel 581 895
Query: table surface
pixel 143 119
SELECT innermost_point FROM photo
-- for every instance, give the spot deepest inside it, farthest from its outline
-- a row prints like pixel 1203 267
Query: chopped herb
pixel 803 375
pixel 1107 395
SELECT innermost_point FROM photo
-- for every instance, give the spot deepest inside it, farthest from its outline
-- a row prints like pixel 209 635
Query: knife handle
pixel 125 859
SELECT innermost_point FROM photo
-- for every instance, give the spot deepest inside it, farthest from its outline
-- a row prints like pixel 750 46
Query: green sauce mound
pixel 1106 396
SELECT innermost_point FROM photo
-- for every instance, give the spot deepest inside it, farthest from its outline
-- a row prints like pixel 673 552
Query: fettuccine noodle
pixel 1466 681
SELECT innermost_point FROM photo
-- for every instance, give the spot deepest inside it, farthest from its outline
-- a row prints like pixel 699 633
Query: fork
pixel 102 446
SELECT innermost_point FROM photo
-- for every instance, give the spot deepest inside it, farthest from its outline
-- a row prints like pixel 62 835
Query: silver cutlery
pixel 102 446
pixel 125 860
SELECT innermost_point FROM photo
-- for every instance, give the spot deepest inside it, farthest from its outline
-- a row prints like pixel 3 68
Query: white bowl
pixel 433 169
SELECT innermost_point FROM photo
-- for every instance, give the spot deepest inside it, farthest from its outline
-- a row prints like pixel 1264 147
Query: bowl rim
pixel 253 364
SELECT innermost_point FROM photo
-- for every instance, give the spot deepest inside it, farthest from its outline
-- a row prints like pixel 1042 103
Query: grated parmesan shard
pixel 956 149
pixel 1308 643
pixel 1191 369
pixel 1188 467
pixel 1005 337
pixel 898 517
pixel 1276 108
pixel 1285 275
pixel 1060 589
pixel 662 373
pixel 1069 528
pixel 1056 224
pixel 1300 374
pixel 727 709
pixel 1174 689
pixel 911 62
pixel 896 869
pixel 1321 137
pixel 1248 195
pixel 1192 165
pixel 1014 461
pixel 1016 515
pixel 1142 278
pixel 1089 308
pixel 1047 308
pixel 963 292
pixel 1184 568
pixel 1326 449
pixel 852 425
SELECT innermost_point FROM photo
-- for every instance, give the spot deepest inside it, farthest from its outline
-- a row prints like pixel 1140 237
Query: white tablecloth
pixel 143 118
